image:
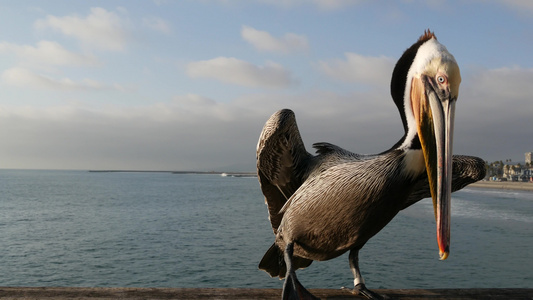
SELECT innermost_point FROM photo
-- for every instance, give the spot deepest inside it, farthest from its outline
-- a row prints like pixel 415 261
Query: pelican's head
pixel 428 100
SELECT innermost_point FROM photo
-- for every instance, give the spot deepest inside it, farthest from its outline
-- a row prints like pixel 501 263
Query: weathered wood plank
pixel 80 293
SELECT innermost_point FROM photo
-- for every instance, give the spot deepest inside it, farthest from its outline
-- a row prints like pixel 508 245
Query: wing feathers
pixel 281 162
pixel 465 170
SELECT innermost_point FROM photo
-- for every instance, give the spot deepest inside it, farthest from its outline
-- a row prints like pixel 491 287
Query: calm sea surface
pixel 76 228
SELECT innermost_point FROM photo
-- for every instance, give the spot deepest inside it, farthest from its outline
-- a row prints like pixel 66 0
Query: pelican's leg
pixel 292 288
pixel 359 282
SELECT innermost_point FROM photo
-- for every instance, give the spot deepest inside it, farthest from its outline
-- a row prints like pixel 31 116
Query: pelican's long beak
pixel 434 112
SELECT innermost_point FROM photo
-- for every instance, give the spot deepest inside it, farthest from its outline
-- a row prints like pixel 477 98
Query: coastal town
pixel 509 170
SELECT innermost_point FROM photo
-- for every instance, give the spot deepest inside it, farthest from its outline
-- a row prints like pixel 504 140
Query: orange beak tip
pixel 444 254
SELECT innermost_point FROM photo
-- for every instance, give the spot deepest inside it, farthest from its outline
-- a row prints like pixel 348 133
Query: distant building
pixel 528 172
pixel 512 171
pixel 529 157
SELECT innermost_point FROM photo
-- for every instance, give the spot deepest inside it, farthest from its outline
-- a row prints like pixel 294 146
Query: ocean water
pixel 77 228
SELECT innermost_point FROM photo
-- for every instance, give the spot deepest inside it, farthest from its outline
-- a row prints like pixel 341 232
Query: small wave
pixel 506 194
pixel 470 209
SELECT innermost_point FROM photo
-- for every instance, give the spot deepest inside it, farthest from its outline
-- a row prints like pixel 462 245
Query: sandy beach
pixel 503 185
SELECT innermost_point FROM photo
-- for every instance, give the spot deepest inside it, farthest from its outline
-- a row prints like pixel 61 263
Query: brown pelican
pixel 325 205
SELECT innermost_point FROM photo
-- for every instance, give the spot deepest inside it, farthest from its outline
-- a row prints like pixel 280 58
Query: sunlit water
pixel 76 228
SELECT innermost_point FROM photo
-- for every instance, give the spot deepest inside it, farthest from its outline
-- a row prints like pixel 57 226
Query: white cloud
pixel 358 68
pixel 235 71
pixel 264 41
pixel 22 77
pixel 157 24
pixel 48 53
pixel 101 29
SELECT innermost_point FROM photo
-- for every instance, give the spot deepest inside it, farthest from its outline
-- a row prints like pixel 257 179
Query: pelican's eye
pixel 441 79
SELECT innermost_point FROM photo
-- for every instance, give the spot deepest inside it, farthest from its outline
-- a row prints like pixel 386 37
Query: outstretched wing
pixel 465 170
pixel 282 162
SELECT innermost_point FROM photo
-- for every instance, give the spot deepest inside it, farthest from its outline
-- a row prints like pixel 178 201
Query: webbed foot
pixel 294 290
pixel 361 290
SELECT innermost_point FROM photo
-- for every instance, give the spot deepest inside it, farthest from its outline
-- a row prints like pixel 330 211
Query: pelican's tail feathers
pixel 274 264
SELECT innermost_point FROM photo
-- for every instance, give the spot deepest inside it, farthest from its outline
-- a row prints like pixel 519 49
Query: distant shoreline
pixel 231 174
pixel 499 185
pixel 503 185
pixel 154 171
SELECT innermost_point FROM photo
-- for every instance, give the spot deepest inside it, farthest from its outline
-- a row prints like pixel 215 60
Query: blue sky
pixel 188 85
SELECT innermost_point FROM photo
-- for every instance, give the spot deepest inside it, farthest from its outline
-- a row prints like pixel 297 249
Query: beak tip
pixel 444 254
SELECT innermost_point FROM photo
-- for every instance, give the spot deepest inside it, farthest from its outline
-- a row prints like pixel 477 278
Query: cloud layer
pixel 25 78
pixel 101 29
pixel 48 53
pixel 321 4
pixel 360 69
pixel 157 24
pixel 195 132
pixel 204 108
pixel 189 132
pixel 38 66
pixel 264 41
pixel 236 71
